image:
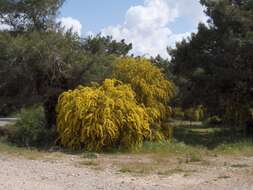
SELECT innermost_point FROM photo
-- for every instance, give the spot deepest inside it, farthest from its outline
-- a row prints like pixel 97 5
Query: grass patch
pixel 88 163
pixel 205 136
pixel 185 153
pixel 125 170
pixel 217 140
pixel 169 147
pixel 242 148
pixel 194 157
pixel 90 155
pixel 11 150
pixel 224 177
pixel 171 171
pixel 153 168
pixel 137 168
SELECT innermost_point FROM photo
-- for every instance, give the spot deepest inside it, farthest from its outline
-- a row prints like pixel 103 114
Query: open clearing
pixel 183 164
pixel 58 171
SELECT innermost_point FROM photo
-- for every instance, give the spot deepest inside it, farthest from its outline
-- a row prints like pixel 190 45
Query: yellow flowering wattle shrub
pixel 95 118
pixel 117 114
pixel 151 88
pixel 149 83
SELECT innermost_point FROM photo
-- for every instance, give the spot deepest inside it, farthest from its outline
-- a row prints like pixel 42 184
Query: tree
pixel 106 45
pixel 36 51
pixel 25 15
pixel 50 62
pixel 164 65
pixel 101 52
pixel 216 62
pixel 38 64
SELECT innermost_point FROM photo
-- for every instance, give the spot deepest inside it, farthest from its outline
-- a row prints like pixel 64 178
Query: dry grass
pixel 163 158
pixel 89 163
pixel 28 153
pixel 165 167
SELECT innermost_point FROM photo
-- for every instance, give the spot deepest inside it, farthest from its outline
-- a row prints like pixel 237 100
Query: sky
pixel 150 25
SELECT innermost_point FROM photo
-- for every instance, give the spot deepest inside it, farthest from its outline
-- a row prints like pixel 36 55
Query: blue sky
pixel 97 14
pixel 150 25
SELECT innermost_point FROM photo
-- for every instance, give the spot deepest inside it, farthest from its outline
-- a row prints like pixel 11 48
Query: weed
pixel 90 155
pixel 224 177
pixel 88 163
pixel 239 165
pixel 194 157
pixel 12 150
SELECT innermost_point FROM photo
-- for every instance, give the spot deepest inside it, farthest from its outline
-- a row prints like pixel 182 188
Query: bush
pixel 149 83
pixel 117 114
pixel 96 118
pixel 214 120
pixel 195 114
pixel 30 129
pixel 178 113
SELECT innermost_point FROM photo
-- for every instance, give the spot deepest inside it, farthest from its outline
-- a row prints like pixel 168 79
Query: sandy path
pixel 66 174
pixel 4 123
pixel 7 121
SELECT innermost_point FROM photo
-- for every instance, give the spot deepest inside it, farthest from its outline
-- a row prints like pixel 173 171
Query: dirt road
pixel 68 172
pixel 4 123
pixel 7 121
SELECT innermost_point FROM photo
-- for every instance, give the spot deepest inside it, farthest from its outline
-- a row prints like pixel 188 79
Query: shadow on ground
pixel 209 137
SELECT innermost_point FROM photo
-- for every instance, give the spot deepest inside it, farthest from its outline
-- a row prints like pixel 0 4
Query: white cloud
pixel 71 23
pixel 146 26
pixel 4 27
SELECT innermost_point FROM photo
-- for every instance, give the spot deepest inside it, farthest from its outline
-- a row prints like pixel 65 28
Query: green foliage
pixel 195 114
pixel 243 147
pixel 24 15
pixel 30 129
pixel 169 147
pixel 213 65
pixel 95 118
pixel 37 51
pixel 178 113
pixel 106 45
pixel 50 62
pixel 47 61
pixel 164 65
pixel 214 120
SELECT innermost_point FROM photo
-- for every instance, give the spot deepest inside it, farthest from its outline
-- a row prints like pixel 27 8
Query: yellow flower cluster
pixel 148 82
pixel 152 90
pixel 97 118
pixel 116 114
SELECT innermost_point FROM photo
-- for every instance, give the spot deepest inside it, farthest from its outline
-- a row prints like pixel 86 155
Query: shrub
pixel 96 118
pixel 178 113
pixel 150 85
pixel 152 90
pixel 195 114
pixel 30 129
pixel 214 120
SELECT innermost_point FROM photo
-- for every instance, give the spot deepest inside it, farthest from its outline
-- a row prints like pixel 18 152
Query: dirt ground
pixel 114 172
